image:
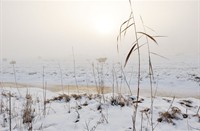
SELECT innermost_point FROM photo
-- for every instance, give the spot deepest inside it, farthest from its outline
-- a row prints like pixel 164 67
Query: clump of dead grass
pixel 28 112
pixel 186 103
pixel 61 97
pixel 120 100
pixel 168 116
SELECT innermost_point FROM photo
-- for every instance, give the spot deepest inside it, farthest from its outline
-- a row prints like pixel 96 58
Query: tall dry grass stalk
pixel 116 81
pixel 61 78
pixel 113 84
pixel 10 111
pixel 100 71
pixel 14 71
pixel 1 102
pixel 44 97
pixel 150 73
pixel 131 22
pixel 75 71
pixel 93 72
pixel 127 58
pixel 44 90
pixel 125 79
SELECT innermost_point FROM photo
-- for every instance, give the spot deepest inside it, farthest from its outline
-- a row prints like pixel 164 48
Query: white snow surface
pixel 83 114
pixel 179 78
pixel 171 78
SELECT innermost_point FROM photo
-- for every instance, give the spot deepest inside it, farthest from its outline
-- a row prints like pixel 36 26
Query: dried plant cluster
pixel 136 46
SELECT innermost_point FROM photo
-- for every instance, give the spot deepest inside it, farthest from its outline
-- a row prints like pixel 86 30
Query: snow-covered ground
pixel 172 77
pixel 90 112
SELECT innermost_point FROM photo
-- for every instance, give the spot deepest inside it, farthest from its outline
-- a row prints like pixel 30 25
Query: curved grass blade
pixel 117 48
pixel 148 36
pixel 136 40
pixel 119 36
pixel 129 54
pixel 159 55
pixel 130 17
pixel 151 70
pixel 159 36
pixel 150 28
pixel 127 21
pixel 132 50
pixel 130 3
pixel 146 26
pixel 127 27
pixel 141 19
pixel 139 46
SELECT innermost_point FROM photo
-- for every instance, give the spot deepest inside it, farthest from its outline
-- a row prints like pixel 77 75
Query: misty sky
pixel 51 28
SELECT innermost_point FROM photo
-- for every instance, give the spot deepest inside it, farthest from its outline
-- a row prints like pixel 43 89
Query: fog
pixel 50 29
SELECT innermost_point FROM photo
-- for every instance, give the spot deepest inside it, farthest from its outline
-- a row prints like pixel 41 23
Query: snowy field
pixel 175 107
pixel 90 112
pixel 179 78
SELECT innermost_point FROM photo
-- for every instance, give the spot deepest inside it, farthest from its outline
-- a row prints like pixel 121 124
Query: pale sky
pixel 50 28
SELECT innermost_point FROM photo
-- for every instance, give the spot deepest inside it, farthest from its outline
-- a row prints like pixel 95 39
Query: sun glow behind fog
pixel 54 27
pixel 104 17
pixel 51 28
pixel 104 24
